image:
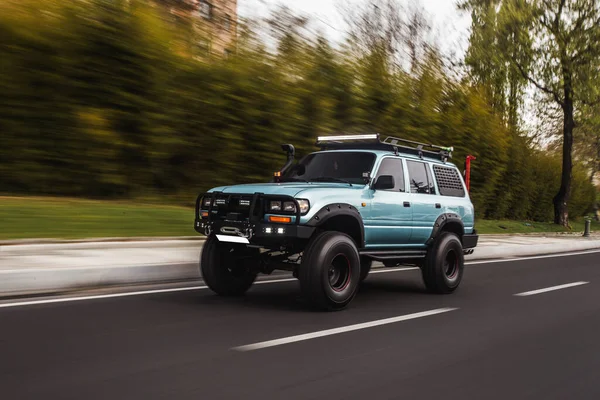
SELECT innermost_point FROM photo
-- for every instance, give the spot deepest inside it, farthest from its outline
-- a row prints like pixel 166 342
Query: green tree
pixel 565 49
pixel 102 98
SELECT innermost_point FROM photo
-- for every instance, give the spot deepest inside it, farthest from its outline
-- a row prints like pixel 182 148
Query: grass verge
pixel 34 217
pixel 519 227
pixel 40 217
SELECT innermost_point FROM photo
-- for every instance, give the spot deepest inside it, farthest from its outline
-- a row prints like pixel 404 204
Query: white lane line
pixel 525 258
pixel 99 296
pixel 126 294
pixel 550 289
pixel 343 329
pixel 185 289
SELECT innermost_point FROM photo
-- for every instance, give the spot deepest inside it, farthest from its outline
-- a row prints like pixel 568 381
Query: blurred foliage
pixel 100 99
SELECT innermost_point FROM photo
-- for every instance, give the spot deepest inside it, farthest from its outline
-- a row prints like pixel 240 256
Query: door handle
pixel 438 205
pixel 406 204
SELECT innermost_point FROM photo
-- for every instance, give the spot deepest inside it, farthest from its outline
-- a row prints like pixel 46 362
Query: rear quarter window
pixel 449 181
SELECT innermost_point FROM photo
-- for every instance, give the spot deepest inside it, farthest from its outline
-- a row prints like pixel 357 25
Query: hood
pixel 286 188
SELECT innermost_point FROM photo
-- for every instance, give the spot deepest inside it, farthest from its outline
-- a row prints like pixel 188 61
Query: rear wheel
pixel 330 271
pixel 228 269
pixel 443 267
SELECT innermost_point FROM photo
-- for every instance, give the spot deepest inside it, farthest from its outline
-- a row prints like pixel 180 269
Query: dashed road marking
pixel 552 288
pixel 343 329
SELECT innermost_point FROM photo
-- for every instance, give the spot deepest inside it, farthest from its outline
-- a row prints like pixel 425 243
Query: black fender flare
pixel 444 220
pixel 336 210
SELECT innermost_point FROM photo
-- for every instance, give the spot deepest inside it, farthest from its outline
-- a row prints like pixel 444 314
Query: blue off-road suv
pixel 327 217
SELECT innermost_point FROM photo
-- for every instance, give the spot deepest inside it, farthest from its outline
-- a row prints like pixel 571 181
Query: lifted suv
pixel 329 216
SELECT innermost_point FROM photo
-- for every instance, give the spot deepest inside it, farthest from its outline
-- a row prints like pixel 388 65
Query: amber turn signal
pixel 284 220
pixel 204 214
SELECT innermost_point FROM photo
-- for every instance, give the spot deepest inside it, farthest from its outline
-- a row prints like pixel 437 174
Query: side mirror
pixel 384 182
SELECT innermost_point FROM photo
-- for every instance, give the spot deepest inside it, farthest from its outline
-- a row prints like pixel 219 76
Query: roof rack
pixel 390 143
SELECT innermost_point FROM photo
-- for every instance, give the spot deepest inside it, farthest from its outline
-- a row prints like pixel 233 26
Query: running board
pixel 384 255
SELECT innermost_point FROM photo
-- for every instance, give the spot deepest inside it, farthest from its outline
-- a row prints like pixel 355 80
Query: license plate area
pixel 232 239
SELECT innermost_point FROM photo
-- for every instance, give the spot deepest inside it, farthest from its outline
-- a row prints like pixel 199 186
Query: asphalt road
pixel 482 342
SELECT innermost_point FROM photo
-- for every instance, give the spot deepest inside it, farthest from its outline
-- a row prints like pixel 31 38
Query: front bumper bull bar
pixel 251 225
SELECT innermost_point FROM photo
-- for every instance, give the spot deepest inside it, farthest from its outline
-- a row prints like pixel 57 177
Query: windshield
pixel 343 167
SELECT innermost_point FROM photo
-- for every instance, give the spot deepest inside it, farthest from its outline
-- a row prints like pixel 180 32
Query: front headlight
pixel 275 206
pixel 289 206
pixel 206 202
pixel 304 206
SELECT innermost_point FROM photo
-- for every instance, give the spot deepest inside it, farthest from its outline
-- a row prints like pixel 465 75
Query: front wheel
pixel 227 269
pixel 330 271
pixel 444 264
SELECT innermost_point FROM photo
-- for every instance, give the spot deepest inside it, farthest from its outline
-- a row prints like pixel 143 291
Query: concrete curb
pixel 39 281
pixel 29 281
pixel 500 252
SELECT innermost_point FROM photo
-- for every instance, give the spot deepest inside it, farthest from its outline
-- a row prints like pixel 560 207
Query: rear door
pixel 389 221
pixel 424 202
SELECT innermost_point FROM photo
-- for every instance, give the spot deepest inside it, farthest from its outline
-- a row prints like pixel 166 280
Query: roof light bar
pixel 390 143
pixel 346 137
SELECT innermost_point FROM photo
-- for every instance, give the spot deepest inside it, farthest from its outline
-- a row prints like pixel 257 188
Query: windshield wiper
pixel 330 179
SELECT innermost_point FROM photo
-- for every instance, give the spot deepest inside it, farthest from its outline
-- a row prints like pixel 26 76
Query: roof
pixel 381 153
pixel 390 144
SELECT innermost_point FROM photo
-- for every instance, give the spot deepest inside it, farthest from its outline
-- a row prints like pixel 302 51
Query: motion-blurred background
pixel 155 101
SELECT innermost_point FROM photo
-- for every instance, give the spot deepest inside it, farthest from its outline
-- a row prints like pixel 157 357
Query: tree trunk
pixel 561 200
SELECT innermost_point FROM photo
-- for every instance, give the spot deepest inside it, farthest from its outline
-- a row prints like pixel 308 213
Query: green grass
pixel 518 227
pixel 29 217
pixel 36 217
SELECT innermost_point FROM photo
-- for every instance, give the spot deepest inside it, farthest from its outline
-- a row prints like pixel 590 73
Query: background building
pixel 218 20
pixel 214 23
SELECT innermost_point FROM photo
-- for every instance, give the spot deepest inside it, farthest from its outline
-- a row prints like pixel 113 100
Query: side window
pixel 420 178
pixel 449 181
pixel 205 9
pixel 393 167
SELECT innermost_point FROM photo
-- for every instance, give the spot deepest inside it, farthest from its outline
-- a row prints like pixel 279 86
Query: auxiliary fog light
pixel 268 230
pixel 281 231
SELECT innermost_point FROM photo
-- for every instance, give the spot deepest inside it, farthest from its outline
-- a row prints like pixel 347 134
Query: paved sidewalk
pixel 40 268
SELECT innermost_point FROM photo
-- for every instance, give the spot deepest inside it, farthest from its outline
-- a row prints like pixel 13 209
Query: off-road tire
pixel 444 264
pixel 223 271
pixel 365 267
pixel 330 271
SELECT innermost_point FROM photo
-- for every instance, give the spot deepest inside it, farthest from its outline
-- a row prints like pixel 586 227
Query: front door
pixel 389 221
